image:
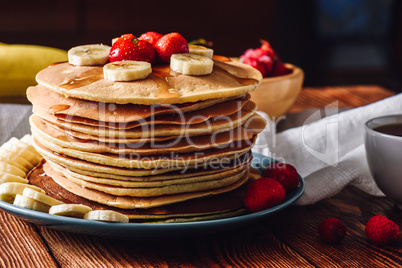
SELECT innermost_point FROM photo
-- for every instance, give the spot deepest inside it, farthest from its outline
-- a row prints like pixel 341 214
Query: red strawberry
pixel 169 44
pixel 263 193
pixel 128 47
pixel 332 230
pixel 380 230
pixel 285 174
pixel 150 37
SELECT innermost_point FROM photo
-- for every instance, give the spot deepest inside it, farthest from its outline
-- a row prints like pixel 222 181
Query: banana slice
pixel 9 190
pixel 114 40
pixel 17 153
pixel 128 70
pixel 70 210
pixel 191 64
pixel 29 203
pixel 40 197
pixel 7 177
pixel 23 146
pixel 27 139
pixel 7 160
pixel 200 50
pixel 15 157
pixel 12 170
pixel 106 215
pixel 89 55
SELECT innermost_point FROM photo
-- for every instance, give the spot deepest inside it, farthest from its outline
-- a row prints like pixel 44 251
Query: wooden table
pixel 287 239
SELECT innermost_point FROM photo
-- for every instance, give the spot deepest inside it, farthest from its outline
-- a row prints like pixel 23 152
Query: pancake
pixel 177 118
pixel 217 206
pixel 147 182
pixel 79 165
pixel 219 124
pixel 57 104
pixel 163 175
pixel 156 191
pixel 191 144
pixel 162 86
pixel 135 202
pixel 152 161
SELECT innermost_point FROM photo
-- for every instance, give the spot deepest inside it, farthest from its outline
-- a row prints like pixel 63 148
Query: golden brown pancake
pixel 126 202
pixel 162 86
pixel 211 207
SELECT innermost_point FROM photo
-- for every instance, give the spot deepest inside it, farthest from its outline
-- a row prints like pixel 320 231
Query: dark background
pixel 336 42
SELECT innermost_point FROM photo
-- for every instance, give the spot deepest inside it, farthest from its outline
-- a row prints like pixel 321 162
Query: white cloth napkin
pixel 328 152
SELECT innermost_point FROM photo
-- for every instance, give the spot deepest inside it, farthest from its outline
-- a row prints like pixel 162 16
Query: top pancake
pixel 163 86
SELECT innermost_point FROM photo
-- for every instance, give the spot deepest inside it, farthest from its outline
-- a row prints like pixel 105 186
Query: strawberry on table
pixel 332 230
pixel 128 47
pixel 150 37
pixel 380 230
pixel 169 44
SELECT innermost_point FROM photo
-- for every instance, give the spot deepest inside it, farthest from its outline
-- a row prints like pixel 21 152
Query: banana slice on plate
pixel 201 50
pixel 14 157
pixel 27 139
pixel 40 197
pixel 7 160
pixel 12 170
pixel 191 64
pixel 128 70
pixel 27 155
pixel 23 146
pixel 106 215
pixel 9 190
pixel 29 203
pixel 7 177
pixel 95 54
pixel 70 210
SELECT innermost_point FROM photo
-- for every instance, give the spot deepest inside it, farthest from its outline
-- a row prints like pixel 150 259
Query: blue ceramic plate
pixel 151 230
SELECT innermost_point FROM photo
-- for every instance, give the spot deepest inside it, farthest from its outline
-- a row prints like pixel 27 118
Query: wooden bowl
pixel 275 95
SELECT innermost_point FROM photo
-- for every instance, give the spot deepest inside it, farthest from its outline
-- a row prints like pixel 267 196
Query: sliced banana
pixel 70 210
pixel 94 54
pixel 106 215
pixel 7 177
pixel 9 190
pixel 33 157
pixel 14 157
pixel 191 64
pixel 40 197
pixel 201 50
pixel 7 160
pixel 23 146
pixel 29 203
pixel 27 139
pixel 128 70
pixel 12 170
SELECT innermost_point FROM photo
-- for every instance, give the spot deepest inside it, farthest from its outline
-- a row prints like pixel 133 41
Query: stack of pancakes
pixel 171 147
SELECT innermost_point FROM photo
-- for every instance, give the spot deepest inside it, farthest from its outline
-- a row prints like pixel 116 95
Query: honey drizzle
pixel 86 78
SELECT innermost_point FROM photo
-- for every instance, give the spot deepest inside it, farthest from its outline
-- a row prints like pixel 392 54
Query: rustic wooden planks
pixel 21 245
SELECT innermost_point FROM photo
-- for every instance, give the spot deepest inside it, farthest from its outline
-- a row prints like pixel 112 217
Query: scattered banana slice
pixel 70 210
pixel 40 197
pixel 191 64
pixel 7 160
pixel 7 177
pixel 29 203
pixel 23 146
pixel 27 139
pixel 200 50
pixel 12 170
pixel 14 155
pixel 89 55
pixel 128 70
pixel 106 215
pixel 9 190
